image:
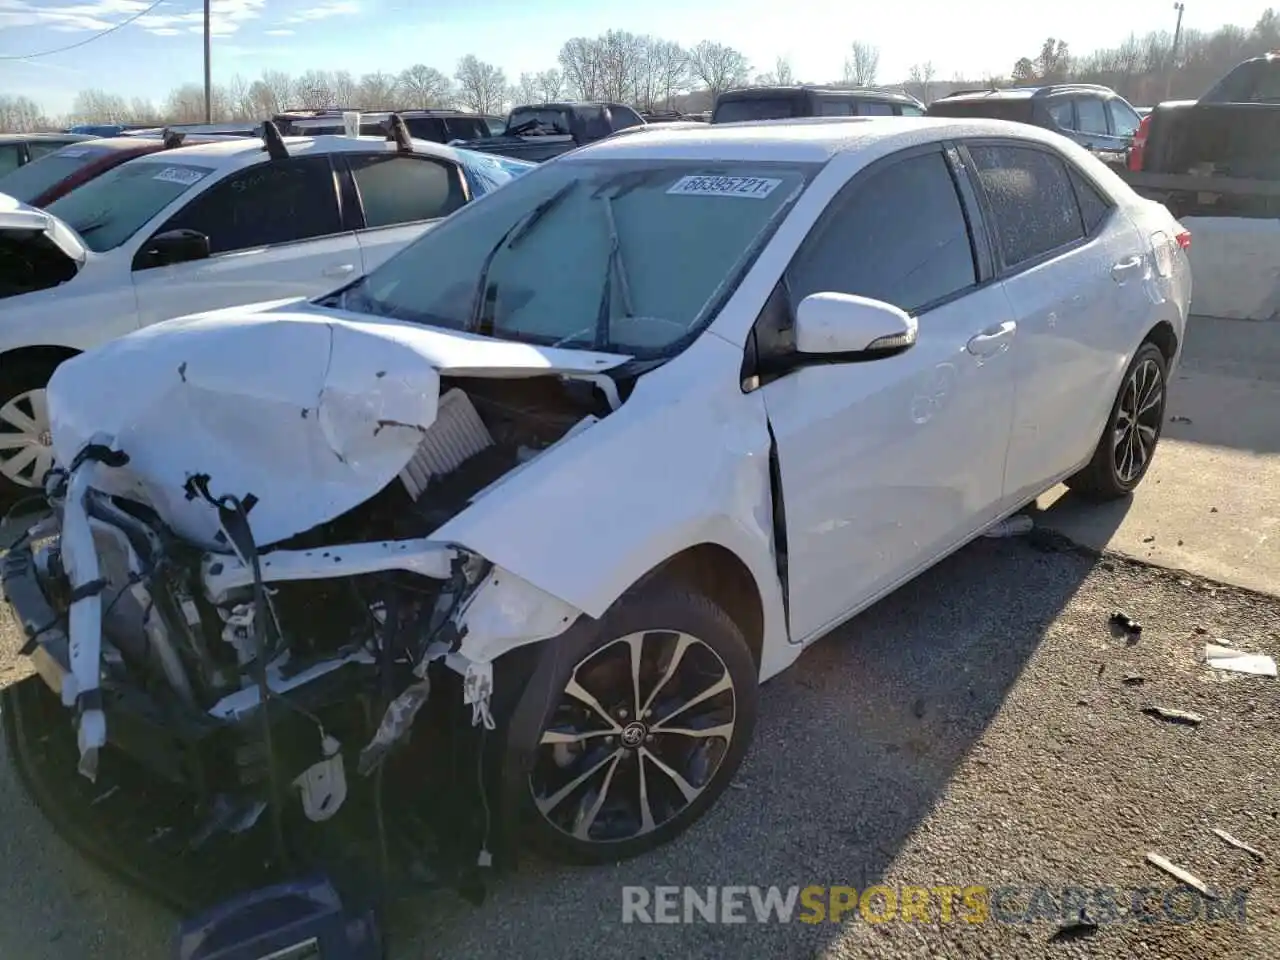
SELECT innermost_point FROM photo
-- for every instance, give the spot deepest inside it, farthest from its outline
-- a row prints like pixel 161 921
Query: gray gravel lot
pixel 975 728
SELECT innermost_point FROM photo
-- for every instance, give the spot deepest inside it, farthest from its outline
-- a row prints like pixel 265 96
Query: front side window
pixel 900 236
pixel 627 255
pixel 1063 114
pixel 1032 200
pixel 428 128
pixel 1091 116
pixel 835 108
pixel 1124 119
pixel 42 148
pixel 466 128
pixel 108 210
pixel 279 201
pixel 10 157
pixel 397 189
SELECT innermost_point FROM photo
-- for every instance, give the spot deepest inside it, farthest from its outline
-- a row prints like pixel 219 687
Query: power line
pixel 81 43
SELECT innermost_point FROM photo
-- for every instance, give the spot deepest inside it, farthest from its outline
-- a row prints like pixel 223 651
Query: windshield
pixel 538 121
pixel 632 256
pixel 30 182
pixel 756 108
pixel 110 209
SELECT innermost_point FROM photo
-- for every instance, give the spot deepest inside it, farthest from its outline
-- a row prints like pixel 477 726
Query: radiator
pixel 457 435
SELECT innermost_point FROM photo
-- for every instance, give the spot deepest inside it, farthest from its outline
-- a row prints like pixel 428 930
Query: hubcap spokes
pixel 640 730
pixel 1138 421
pixel 26 448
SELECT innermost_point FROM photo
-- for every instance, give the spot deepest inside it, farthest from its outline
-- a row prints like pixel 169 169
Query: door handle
pixel 992 340
pixel 1120 271
pixel 340 270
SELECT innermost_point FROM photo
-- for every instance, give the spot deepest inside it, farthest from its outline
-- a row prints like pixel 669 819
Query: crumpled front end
pixel 180 614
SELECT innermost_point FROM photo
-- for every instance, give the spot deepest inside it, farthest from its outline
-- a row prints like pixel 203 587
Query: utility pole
pixel 1173 53
pixel 209 86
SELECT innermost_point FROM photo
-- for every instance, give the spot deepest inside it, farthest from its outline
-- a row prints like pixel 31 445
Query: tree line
pixel 651 73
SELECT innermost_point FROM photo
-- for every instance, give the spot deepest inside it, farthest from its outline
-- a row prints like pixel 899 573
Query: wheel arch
pixel 1165 338
pixel 37 354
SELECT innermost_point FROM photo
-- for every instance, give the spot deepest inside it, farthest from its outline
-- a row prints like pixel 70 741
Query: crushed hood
pixel 308 411
pixel 19 218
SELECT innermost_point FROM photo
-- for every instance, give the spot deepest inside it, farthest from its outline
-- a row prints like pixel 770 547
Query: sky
pixel 163 49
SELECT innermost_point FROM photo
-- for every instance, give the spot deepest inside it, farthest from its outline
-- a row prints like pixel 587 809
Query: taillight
pixel 1139 144
pixel 1183 239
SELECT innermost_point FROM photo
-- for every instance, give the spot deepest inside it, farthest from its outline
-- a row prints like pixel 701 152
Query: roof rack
pixel 272 142
pixel 399 134
pixel 171 139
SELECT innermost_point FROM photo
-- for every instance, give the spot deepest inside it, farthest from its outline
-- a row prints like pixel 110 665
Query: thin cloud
pixel 280 33
pixel 225 16
pixel 325 10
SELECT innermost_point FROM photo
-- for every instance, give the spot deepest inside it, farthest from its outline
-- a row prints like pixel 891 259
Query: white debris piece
pixel 1237 661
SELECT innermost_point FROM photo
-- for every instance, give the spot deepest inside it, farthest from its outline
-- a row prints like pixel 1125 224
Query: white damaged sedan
pixel 589 461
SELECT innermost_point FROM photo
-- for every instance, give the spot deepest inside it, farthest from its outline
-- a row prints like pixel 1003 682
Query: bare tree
pixel 718 67
pixel 278 89
pixel 1054 62
pixel 239 105
pixel 581 68
pixel 550 85
pixel 344 87
pixel 186 104
pixel 525 90
pixel 423 86
pixel 312 90
pixel 862 64
pixel 98 106
pixel 21 115
pixel 482 87
pixel 920 75
pixel 783 73
pixel 377 90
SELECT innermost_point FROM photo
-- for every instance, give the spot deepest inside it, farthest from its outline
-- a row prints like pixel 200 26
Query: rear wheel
pixel 26 447
pixel 631 726
pixel 1128 443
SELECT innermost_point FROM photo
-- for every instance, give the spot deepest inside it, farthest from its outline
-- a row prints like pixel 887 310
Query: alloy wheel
pixel 26 447
pixel 642 726
pixel 1138 420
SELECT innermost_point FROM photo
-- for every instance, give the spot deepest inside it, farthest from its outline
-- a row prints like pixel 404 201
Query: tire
pixel 23 425
pixel 659 619
pixel 1125 451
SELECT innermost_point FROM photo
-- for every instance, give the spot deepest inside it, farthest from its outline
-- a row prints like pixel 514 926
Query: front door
pixel 274 231
pixel 887 465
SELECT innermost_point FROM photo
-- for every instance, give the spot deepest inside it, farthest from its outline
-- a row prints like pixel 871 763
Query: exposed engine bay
pixel 343 631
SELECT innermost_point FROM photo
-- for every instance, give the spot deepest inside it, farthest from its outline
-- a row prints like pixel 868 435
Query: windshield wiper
pixel 514 234
pixel 613 265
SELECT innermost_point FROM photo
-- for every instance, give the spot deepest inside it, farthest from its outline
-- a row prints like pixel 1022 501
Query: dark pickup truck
pixel 1232 132
pixel 538 133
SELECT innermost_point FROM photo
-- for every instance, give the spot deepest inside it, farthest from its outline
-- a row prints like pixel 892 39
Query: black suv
pixel 1095 117
pixel 438 126
pixel 781 103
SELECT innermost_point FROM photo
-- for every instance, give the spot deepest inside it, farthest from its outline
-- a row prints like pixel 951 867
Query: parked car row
pixel 569 476
pixel 136 231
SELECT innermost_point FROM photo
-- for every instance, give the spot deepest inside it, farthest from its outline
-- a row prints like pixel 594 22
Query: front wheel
pixel 631 726
pixel 26 447
pixel 1128 443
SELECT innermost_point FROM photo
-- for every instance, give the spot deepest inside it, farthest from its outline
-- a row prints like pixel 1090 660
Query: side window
pixel 10 157
pixel 875 108
pixel 1094 207
pixel 1091 115
pixel 1124 119
pixel 911 111
pixel 1063 115
pixel 398 189
pixel 900 236
pixel 279 201
pixel 624 117
pixel 427 128
pixel 42 148
pixel 835 108
pixel 1032 200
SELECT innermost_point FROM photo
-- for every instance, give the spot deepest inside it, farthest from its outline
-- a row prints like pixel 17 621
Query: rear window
pixel 1256 81
pixel 29 182
pixel 550 121
pixel 995 109
pixel 758 108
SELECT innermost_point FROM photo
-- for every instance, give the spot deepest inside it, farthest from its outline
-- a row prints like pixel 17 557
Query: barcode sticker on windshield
pixel 756 188
pixel 183 175
pixel 72 153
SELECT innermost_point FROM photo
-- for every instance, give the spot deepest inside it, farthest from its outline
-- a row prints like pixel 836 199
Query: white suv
pixel 197 228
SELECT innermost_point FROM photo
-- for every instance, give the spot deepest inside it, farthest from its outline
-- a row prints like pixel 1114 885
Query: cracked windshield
pixel 639 481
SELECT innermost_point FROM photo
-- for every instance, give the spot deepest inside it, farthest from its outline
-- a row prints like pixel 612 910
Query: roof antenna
pixel 272 142
pixel 397 131
pixel 172 139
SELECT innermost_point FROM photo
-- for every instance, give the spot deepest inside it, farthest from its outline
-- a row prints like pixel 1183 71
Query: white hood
pixel 310 411
pixel 19 217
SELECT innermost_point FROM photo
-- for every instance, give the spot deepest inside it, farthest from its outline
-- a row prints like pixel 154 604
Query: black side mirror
pixel 174 246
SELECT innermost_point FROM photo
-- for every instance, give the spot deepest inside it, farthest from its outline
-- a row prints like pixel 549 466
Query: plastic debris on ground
pixel 1184 876
pixel 1237 661
pixel 1018 525
pixel 1239 844
pixel 1184 717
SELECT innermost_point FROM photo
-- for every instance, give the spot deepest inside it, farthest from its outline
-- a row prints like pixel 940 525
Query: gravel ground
pixel 973 729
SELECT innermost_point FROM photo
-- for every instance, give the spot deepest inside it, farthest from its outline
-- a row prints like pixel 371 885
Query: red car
pixel 44 181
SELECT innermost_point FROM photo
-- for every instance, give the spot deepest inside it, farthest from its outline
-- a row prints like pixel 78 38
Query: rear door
pixel 275 230
pixel 398 197
pixel 1074 268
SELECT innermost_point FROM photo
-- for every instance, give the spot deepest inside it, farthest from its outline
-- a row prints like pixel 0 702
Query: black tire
pixel 1109 475
pixel 20 377
pixel 660 613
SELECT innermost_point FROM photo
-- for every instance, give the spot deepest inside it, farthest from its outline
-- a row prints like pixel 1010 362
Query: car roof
pixel 812 139
pixel 63 137
pixel 1027 93
pixel 859 93
pixel 247 151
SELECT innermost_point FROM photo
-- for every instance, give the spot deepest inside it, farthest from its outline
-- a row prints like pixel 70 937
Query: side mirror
pixel 836 327
pixel 174 246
